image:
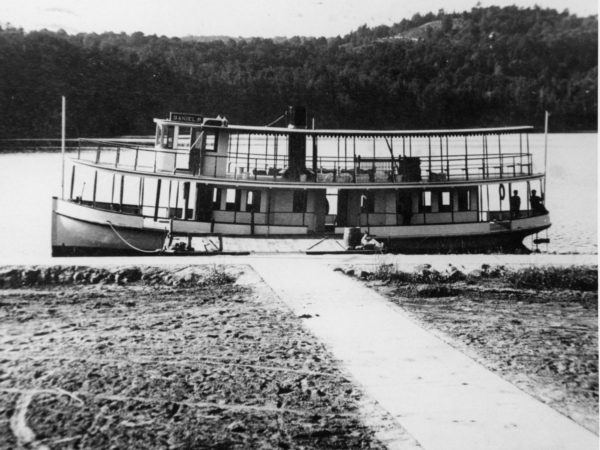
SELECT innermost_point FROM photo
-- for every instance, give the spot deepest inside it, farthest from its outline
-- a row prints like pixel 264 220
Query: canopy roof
pixel 240 129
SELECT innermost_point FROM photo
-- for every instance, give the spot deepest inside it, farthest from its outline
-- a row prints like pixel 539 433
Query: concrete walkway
pixel 444 399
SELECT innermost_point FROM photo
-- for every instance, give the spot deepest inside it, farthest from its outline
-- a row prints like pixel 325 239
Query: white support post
pixel 62 146
pixel 545 149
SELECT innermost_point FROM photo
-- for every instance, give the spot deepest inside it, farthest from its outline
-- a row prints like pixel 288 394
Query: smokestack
pixel 296 116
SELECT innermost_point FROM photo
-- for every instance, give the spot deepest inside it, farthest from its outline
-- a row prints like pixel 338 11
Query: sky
pixel 246 18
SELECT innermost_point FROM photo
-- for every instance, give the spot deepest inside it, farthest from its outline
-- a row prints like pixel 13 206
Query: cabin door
pixel 342 208
pixel 331 208
pixel 204 201
pixel 404 207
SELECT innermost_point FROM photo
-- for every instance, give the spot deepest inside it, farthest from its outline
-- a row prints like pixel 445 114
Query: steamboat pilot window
pixel 210 141
pixel 167 137
pixel 184 137
pixel 299 203
pixel 464 200
pixel 445 202
pixel 425 202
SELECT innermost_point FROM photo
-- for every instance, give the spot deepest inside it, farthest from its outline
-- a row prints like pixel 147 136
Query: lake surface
pixel 29 180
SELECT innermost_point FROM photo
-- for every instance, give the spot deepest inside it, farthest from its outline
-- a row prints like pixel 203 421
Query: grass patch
pixel 580 278
pixel 217 277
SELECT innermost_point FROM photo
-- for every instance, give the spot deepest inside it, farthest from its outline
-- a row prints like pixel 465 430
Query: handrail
pixel 342 169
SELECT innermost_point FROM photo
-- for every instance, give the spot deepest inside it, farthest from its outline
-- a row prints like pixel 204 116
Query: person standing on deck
pixel 515 205
pixel 536 203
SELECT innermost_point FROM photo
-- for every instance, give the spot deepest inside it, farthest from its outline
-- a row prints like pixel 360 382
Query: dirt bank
pixel 163 358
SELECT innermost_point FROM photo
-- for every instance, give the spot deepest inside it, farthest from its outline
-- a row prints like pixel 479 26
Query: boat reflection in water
pixel 415 191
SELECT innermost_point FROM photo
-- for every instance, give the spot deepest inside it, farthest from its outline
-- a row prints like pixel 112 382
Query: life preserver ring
pixel 502 192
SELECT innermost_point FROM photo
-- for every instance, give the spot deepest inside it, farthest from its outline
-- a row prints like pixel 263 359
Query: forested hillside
pixel 488 66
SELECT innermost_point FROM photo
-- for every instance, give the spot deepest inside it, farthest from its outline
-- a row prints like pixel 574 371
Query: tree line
pixel 484 67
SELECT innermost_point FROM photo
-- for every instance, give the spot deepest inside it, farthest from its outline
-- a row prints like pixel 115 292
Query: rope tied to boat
pixel 160 250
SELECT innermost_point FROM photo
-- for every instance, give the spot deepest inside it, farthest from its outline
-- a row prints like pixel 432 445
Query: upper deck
pixel 212 149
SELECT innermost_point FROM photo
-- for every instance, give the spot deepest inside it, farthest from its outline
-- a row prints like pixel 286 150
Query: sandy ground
pixel 543 341
pixel 152 366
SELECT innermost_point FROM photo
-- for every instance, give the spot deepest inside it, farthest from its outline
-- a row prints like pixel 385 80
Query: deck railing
pixel 261 167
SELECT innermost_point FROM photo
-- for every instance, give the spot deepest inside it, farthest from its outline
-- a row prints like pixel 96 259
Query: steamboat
pixel 416 191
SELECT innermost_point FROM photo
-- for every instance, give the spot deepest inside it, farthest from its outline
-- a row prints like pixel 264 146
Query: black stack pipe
pixel 296 118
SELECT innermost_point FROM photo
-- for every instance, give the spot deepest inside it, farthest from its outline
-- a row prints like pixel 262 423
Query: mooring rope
pixel 129 244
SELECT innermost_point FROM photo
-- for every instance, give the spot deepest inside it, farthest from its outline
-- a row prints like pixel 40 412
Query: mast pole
pixel 546 115
pixel 62 146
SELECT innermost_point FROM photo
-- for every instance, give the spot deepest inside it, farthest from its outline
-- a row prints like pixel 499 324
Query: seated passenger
pixel 537 205
pixel 368 242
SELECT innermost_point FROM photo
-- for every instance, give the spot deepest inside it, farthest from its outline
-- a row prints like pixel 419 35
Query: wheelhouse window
pixel 253 201
pixel 210 141
pixel 445 202
pixel 299 202
pixel 464 200
pixel 425 202
pixel 184 137
pixel 168 135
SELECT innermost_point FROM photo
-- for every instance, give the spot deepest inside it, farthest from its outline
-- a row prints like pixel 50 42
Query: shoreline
pixel 408 261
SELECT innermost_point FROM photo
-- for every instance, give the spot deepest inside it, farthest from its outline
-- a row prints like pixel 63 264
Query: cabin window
pixel 367 202
pixel 299 203
pixel 331 201
pixel 176 201
pixel 187 195
pixel 149 196
pixel 253 201
pixel 116 190
pixel 210 141
pixel 445 202
pixel 464 200
pixel 104 189
pixel 216 198
pixel 164 198
pixel 230 200
pixel 82 186
pixel 131 195
pixel 425 202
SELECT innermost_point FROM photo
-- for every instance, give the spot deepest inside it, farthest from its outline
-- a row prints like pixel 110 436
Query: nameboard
pixel 185 117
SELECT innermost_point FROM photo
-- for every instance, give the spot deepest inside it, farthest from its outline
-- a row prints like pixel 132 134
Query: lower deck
pixel 295 210
pixel 81 229
pixel 109 209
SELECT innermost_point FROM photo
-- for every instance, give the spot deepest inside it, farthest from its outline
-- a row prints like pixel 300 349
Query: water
pixel 29 180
